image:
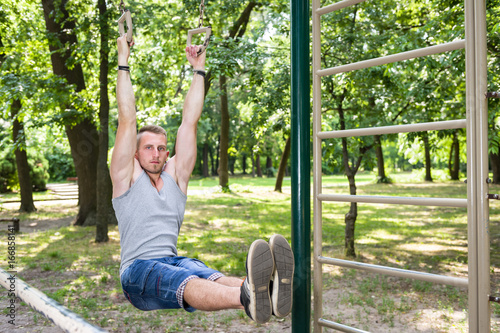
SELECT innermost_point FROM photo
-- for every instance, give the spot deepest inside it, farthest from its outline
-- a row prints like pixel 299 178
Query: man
pixel 149 197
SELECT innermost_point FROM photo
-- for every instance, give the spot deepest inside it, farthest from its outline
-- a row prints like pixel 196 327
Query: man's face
pixel 152 152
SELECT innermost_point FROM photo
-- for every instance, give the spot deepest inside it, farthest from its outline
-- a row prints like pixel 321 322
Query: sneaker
pixel 282 280
pixel 255 295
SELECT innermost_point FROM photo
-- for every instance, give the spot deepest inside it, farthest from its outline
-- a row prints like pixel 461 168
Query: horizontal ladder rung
pixel 339 327
pixel 456 45
pixel 403 273
pixel 410 201
pixel 431 126
pixel 337 6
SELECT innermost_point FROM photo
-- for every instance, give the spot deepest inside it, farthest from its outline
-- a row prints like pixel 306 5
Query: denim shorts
pixel 160 283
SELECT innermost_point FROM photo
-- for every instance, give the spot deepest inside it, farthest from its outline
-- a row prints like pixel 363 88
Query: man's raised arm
pixel 122 160
pixel 185 149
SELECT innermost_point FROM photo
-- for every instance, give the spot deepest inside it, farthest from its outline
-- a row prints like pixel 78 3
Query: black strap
pixel 200 72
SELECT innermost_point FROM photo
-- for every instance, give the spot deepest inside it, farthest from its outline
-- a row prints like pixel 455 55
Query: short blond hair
pixel 152 129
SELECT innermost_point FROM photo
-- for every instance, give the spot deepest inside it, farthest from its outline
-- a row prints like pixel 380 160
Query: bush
pixel 60 164
pixel 8 176
pixel 38 170
pixel 39 167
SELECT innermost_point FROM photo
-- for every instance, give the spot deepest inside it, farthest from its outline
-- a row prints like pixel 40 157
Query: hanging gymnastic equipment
pixel 200 29
pixel 126 17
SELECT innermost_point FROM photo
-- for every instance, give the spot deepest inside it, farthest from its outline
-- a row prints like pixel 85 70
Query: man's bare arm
pixel 186 135
pixel 122 160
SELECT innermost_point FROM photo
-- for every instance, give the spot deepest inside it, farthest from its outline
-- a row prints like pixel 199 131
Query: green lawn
pixel 218 228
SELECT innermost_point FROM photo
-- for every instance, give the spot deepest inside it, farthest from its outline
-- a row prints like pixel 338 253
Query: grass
pixel 70 267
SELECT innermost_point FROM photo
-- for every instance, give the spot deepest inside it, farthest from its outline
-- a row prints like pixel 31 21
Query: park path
pixel 70 191
pixel 64 191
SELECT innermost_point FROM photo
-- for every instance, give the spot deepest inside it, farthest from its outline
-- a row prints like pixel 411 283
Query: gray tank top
pixel 149 221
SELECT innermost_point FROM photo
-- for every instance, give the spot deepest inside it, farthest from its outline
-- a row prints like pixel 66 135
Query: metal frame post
pixel 477 166
pixel 470 73
pixel 317 165
pixel 300 158
pixel 481 141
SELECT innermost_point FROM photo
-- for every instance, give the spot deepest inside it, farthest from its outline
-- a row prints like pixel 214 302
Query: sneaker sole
pixel 282 296
pixel 260 266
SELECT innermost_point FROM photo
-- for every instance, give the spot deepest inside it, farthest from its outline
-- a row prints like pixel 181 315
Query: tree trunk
pixel 450 158
pixel 84 141
pixel 23 168
pixel 350 171
pixel 205 160
pixel 224 136
pixel 82 133
pixel 495 167
pixel 232 162
pixel 253 164
pixel 259 168
pixel 244 163
pixel 237 30
pixel 350 219
pixel 104 191
pixel 215 171
pixel 425 139
pixel 454 161
pixel 382 178
pixel 282 167
pixel 213 160
pixel 269 166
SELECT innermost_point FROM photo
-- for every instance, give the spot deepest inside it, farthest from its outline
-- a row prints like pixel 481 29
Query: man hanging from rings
pixel 149 197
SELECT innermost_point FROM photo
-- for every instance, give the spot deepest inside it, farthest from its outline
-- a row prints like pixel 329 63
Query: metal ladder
pixel 476 125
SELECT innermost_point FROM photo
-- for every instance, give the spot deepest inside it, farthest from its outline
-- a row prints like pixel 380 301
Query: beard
pixel 153 169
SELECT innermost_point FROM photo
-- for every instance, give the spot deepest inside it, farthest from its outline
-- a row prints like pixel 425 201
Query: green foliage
pixel 60 164
pixel 38 165
pixel 8 176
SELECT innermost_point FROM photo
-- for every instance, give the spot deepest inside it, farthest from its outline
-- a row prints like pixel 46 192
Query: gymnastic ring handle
pixel 207 30
pixel 126 17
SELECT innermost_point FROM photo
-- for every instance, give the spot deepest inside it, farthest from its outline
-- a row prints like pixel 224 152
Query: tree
pixel 270 96
pixel 427 148
pixel 236 32
pixel 80 128
pixel 340 99
pixel 23 169
pixel 454 161
pixel 406 92
pixel 382 178
pixel 105 212
pixel 282 167
pixel 17 87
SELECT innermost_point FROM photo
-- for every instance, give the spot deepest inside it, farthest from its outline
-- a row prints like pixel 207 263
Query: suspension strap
pixel 125 17
pixel 200 29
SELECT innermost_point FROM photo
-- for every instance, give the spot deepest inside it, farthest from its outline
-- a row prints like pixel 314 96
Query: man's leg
pixel 207 295
pixel 230 281
pixel 230 293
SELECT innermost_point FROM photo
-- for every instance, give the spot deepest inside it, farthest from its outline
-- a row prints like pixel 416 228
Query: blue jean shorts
pixel 159 283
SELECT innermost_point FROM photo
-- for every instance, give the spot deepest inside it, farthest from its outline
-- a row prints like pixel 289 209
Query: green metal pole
pixel 301 168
